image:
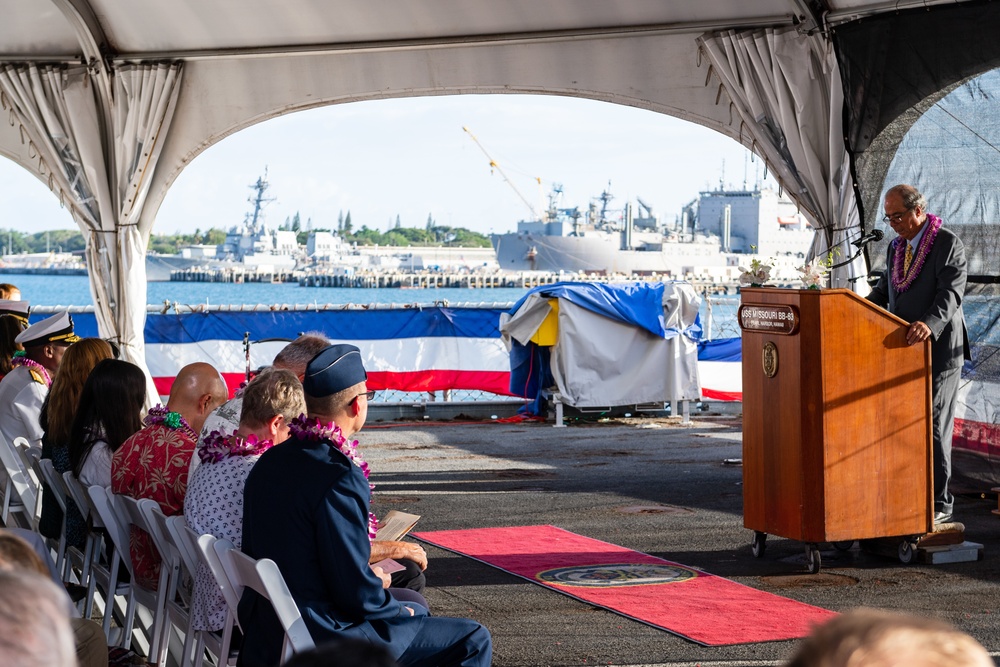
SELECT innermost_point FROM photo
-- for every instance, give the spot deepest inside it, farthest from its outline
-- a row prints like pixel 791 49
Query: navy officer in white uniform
pixel 306 506
pixel 23 390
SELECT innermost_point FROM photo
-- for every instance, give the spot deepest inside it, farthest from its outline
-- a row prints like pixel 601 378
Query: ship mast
pixel 259 201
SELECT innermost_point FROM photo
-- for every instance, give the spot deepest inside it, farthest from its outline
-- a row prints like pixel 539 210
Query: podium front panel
pixel 836 420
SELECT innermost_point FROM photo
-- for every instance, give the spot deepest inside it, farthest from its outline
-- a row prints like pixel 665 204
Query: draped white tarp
pixel 99 156
pixel 785 87
pixel 591 351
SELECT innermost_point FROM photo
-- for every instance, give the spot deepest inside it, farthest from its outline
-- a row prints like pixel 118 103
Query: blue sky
pixel 411 158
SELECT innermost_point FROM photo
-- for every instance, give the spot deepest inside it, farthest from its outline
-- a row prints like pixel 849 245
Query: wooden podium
pixel 836 420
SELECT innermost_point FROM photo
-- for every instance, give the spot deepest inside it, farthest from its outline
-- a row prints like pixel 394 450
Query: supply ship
pixel 710 236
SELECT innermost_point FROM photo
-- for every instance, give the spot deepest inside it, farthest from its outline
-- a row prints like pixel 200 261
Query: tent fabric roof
pixel 35 28
pixel 52 29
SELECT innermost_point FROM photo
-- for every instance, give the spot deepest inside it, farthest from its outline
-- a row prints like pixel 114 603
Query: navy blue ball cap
pixel 334 369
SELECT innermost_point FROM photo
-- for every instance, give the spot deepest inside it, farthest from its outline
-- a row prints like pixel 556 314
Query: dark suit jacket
pixel 934 298
pixel 306 507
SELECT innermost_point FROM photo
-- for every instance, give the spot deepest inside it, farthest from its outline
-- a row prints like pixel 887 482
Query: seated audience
pixel 293 357
pixel 214 500
pixel 50 608
pixel 109 412
pixel 306 506
pixel 225 419
pixel 56 419
pixel 885 639
pixel 154 462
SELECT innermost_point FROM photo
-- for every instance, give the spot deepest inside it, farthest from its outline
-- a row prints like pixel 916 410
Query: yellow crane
pixel 494 165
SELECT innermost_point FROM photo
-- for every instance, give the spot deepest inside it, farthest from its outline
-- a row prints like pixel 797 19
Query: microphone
pixel 874 235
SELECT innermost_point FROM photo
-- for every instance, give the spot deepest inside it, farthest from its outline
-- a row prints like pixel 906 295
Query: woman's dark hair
pixel 10 326
pixel 60 405
pixel 110 406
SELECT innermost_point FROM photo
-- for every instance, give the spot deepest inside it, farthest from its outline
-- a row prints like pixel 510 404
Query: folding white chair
pixel 132 513
pixel 179 595
pixel 218 644
pixel 206 549
pixel 134 596
pixel 264 577
pixel 45 471
pixel 20 496
pixel 76 494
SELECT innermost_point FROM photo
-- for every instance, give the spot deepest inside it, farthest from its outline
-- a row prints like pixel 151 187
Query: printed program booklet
pixel 395 525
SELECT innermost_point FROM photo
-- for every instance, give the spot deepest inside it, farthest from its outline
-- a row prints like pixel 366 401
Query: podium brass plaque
pixel 769 359
pixel 782 320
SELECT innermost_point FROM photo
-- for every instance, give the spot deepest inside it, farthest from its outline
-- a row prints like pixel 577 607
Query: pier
pixel 232 275
pixel 428 279
pixel 521 280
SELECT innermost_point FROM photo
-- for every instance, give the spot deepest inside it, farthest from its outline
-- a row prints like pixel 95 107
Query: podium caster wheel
pixel 843 546
pixel 758 544
pixel 907 552
pixel 813 559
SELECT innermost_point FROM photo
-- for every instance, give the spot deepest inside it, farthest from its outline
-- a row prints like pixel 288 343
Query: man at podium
pixel 924 283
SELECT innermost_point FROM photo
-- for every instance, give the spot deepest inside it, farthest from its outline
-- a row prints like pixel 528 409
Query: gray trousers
pixel 945 395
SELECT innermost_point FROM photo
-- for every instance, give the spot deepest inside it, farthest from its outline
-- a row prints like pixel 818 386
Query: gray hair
pixel 34 622
pixel 276 391
pixel 296 355
pixel 910 196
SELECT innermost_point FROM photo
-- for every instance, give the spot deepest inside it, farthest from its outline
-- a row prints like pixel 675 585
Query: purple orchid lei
pixel 314 430
pixel 218 447
pixel 901 282
pixel 172 420
pixel 21 360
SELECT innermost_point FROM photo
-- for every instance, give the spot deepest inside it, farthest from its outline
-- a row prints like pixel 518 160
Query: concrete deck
pixel 655 486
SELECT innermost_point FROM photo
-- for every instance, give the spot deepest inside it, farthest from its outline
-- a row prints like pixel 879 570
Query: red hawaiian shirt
pixel 153 463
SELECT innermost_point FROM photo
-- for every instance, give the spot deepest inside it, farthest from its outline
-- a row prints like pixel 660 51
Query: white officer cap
pixel 57 329
pixel 16 309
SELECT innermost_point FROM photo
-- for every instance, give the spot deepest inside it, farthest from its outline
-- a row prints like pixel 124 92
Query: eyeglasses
pixel 368 394
pixel 895 217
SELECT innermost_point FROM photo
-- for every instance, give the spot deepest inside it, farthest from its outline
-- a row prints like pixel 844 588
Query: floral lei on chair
pixel 314 430
pixel 172 420
pixel 218 447
pixel 901 282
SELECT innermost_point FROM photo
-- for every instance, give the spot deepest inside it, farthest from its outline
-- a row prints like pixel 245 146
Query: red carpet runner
pixel 702 607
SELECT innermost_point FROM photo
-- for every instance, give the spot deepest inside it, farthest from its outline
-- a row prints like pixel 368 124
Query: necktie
pixel 907 259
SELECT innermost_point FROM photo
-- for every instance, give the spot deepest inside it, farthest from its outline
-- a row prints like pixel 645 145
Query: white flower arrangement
pixel 757 274
pixel 814 274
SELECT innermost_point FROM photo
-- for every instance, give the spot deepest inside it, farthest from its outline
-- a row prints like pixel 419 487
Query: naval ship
pixel 251 245
pixel 713 232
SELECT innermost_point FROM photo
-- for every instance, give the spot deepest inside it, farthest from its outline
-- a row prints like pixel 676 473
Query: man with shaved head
pixel 154 462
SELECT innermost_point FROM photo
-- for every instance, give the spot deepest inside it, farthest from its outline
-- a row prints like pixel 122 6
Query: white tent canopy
pixel 99 110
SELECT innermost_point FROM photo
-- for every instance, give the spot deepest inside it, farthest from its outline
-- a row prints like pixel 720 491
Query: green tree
pixel 296 223
pixel 214 237
pixel 347 224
